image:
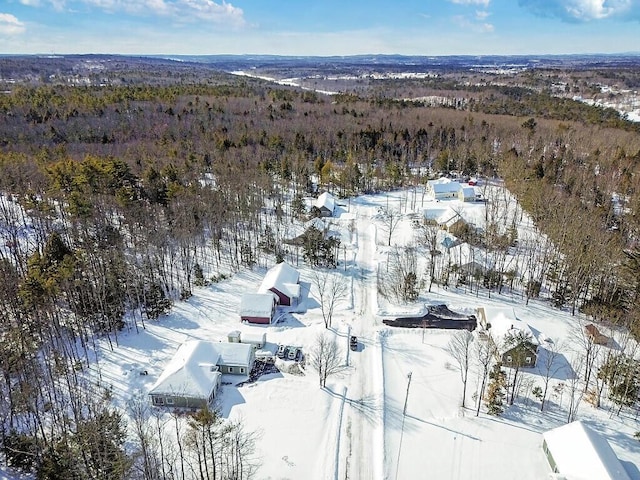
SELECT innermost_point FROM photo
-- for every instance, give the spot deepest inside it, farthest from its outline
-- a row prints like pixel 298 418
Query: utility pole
pixel 404 414
pixel 406 398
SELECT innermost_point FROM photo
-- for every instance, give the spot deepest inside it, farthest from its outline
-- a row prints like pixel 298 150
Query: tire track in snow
pixel 366 415
pixel 332 438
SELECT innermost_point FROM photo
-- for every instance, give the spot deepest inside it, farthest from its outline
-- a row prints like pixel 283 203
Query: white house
pixel 256 339
pixel 577 451
pixel 443 188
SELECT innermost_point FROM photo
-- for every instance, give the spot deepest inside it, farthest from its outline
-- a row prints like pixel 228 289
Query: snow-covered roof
pixel 448 217
pixel 326 200
pixel 444 185
pixel 434 212
pixel 581 453
pixel 468 191
pixel 504 322
pixel 192 371
pixel 256 304
pixel 234 353
pixel 284 278
pixel 254 337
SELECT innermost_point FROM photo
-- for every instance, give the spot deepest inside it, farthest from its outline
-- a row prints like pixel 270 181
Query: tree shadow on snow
pixel 288 320
pixel 560 369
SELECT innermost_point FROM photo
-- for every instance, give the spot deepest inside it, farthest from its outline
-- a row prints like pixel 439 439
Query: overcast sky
pixel 320 27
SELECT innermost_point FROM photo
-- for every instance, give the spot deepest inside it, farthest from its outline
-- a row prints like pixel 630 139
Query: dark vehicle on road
pixel 353 343
pixel 437 316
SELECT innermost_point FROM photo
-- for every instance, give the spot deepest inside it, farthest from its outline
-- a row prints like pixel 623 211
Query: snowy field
pixel 357 427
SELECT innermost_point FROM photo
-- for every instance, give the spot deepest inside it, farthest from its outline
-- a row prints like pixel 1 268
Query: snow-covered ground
pixel 357 427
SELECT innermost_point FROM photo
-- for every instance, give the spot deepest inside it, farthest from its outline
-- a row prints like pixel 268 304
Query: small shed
pixel 256 339
pixel 575 450
pixel 257 307
pixel 234 336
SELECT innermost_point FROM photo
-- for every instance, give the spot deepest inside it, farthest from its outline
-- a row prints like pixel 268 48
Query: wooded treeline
pixel 121 199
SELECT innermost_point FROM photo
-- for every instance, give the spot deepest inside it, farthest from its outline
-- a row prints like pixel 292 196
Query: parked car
pixel 282 351
pixel 293 352
pixel 353 343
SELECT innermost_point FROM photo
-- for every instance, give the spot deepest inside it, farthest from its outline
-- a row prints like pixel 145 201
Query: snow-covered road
pixel 364 452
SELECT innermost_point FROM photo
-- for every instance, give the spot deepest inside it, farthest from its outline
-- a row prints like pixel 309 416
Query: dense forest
pixel 117 200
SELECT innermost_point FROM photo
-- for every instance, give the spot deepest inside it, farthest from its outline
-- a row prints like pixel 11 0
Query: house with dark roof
pixel 325 205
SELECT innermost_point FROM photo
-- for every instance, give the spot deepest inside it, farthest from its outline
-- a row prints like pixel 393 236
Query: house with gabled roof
pixel 443 188
pixel 325 205
pixel 284 281
pixel 515 342
pixel 235 358
pixel 469 259
pixel 258 307
pixel 190 379
pixel 577 451
pixel 467 193
pixel 193 375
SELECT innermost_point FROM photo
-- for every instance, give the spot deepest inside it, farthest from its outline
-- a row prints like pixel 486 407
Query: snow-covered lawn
pixel 357 427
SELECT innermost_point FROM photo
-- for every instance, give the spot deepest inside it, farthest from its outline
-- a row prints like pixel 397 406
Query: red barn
pixel 284 281
pixel 257 307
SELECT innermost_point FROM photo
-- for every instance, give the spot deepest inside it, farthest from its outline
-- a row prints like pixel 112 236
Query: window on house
pixel 528 359
pixel 158 401
pixel 242 370
pixel 509 360
pixel 169 401
pixel 230 369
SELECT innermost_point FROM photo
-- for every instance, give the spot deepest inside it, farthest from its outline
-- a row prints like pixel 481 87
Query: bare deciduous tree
pixel 548 367
pixel 390 219
pixel 400 281
pixel 574 390
pixel 326 358
pixel 459 347
pixel 485 353
pixel 332 288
